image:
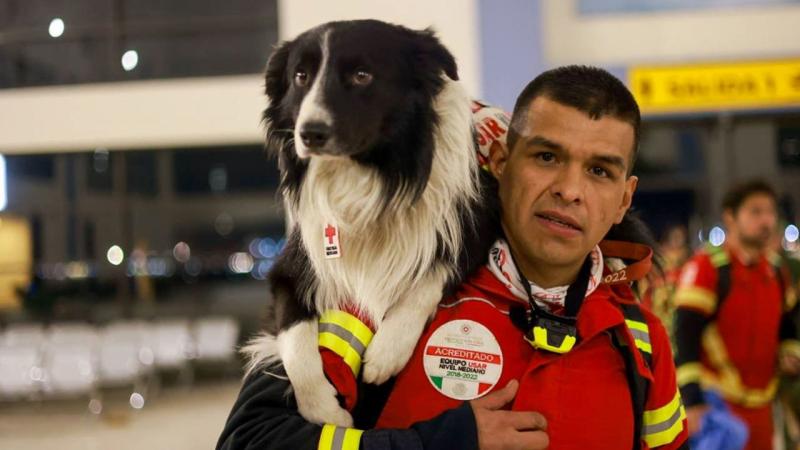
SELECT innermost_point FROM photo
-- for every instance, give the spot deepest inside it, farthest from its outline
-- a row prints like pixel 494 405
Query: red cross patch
pixel 331 241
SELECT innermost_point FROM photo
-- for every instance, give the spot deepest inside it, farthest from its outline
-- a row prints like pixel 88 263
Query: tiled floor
pixel 176 419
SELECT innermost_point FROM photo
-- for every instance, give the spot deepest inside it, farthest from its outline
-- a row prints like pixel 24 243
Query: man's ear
pixel 627 197
pixel 498 157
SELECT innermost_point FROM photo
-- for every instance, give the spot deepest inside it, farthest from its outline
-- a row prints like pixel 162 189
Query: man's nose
pixel 568 185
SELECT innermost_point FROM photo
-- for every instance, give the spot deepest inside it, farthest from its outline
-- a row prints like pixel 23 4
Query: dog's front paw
pixel 386 356
pixel 321 406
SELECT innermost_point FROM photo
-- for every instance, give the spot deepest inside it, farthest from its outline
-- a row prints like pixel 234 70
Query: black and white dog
pixel 375 143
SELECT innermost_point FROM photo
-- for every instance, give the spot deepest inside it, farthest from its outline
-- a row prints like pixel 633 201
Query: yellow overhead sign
pixel 724 86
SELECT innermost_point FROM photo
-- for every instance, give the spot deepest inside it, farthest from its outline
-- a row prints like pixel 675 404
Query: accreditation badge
pixel 463 360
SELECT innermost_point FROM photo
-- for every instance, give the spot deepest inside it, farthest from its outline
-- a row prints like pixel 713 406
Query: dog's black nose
pixel 315 134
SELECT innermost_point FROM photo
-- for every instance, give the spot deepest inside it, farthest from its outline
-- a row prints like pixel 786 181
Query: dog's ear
pixel 276 80
pixel 431 53
pixel 276 85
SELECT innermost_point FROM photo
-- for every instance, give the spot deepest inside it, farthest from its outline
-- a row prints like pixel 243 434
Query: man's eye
pixel 301 78
pixel 600 172
pixel 546 157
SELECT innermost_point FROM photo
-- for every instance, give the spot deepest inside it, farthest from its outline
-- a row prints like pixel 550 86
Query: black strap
pixel 638 384
pixel 782 281
pixel 576 291
pixel 723 288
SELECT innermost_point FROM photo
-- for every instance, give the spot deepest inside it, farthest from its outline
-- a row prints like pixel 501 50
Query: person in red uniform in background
pixel 565 180
pixel 734 317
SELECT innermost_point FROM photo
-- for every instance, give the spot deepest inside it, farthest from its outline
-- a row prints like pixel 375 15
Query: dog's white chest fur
pixel 384 256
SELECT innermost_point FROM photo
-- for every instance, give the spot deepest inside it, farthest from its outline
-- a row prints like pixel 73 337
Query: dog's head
pixel 347 89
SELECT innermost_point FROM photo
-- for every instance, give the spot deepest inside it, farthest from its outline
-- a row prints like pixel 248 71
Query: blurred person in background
pixel 789 390
pixel 674 247
pixel 657 291
pixel 734 325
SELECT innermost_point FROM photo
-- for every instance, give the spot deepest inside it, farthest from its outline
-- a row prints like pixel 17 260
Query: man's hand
pixel 694 417
pixel 507 430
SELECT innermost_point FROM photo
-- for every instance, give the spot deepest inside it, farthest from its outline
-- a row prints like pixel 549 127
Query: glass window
pixel 84 41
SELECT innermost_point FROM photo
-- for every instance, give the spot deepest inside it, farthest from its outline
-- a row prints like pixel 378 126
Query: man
pixel 734 311
pixel 545 326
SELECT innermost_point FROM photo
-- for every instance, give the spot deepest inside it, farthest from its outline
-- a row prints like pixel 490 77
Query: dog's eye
pixel 300 78
pixel 362 78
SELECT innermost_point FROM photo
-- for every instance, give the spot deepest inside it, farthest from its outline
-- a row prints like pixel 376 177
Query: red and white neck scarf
pixel 502 266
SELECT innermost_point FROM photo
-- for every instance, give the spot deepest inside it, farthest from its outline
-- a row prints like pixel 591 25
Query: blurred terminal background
pixel 139 214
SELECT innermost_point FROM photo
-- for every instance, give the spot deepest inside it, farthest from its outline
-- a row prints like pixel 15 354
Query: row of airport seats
pixel 66 360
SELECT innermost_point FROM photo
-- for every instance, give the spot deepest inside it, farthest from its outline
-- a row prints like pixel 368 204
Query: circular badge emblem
pixel 463 360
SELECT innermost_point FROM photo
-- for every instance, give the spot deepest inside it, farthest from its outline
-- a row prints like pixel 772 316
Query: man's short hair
pixel 739 193
pixel 588 89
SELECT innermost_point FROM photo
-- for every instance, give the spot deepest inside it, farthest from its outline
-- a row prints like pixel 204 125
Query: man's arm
pixel 696 301
pixel 265 416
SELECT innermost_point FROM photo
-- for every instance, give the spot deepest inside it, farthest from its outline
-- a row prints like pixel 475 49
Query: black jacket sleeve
pixel 265 417
pixel 689 326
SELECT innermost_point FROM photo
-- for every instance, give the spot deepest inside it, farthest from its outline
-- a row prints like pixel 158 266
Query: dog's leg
pixel 316 398
pixel 398 333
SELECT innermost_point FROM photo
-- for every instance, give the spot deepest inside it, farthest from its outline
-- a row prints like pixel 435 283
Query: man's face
pixel 565 183
pixel 755 221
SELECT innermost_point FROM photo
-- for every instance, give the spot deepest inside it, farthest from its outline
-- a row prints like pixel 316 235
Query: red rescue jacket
pixel 472 347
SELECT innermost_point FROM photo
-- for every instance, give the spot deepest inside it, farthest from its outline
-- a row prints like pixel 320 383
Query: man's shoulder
pixel 708 257
pixel 702 268
pixel 634 311
pixel 655 325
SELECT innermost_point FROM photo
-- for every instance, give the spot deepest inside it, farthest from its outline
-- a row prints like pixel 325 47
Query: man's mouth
pixel 560 220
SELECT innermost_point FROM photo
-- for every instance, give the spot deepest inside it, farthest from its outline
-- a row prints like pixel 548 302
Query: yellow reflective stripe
pixel 339 346
pixel 728 381
pixel 338 438
pixel 688 373
pixel 643 346
pixel 734 392
pixel 350 323
pixel 790 298
pixel 656 416
pixel 641 335
pixel 715 349
pixel 696 297
pixel 326 438
pixel 759 397
pixel 671 430
pixel 634 325
pixel 352 439
pixel 718 255
pixel 720 259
